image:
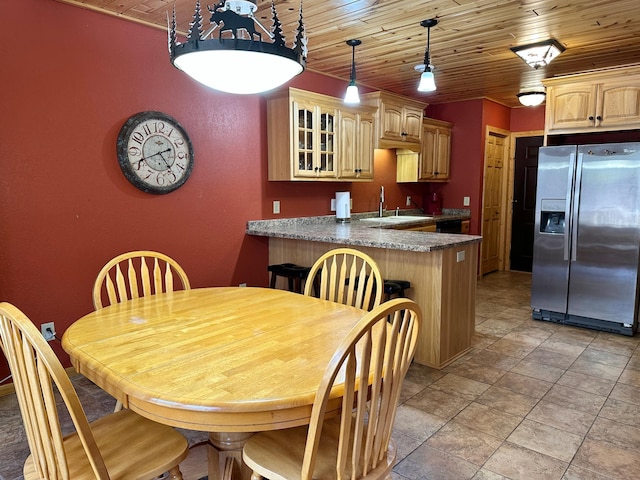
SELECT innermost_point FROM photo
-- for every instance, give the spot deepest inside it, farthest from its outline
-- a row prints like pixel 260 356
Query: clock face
pixel 154 152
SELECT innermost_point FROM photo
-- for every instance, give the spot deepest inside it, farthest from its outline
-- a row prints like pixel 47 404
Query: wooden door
pixel 524 202
pixel 496 150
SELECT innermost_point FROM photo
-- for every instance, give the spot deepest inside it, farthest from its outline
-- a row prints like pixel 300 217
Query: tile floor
pixel 532 400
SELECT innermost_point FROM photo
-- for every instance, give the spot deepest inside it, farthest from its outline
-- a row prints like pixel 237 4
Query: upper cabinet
pixel 606 100
pixel 314 137
pixel 432 163
pixel 399 122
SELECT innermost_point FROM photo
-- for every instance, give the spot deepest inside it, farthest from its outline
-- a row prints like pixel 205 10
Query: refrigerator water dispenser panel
pixel 552 222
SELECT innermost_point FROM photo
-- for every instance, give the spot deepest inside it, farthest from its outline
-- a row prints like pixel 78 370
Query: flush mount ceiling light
pixel 427 80
pixel 352 96
pixel 531 99
pixel 240 62
pixel 539 54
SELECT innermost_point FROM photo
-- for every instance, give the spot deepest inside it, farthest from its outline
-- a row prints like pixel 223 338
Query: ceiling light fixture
pixel 539 54
pixel 531 99
pixel 427 80
pixel 241 62
pixel 352 96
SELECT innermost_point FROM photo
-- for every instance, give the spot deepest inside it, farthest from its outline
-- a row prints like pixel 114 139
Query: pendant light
pixel 352 96
pixel 235 59
pixel 427 80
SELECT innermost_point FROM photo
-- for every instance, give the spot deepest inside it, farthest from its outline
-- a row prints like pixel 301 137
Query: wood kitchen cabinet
pixel 432 163
pixel 314 137
pixel 356 140
pixel 399 120
pixel 602 101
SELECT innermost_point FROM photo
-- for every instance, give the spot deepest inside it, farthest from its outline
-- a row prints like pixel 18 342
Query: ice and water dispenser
pixel 552 212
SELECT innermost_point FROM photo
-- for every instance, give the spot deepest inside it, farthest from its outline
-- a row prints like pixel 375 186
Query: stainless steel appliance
pixel 587 236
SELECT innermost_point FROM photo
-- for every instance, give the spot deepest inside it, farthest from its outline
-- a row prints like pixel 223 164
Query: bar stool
pixel 395 287
pixel 294 274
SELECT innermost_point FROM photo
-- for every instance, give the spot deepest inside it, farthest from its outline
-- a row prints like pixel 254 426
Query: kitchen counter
pixel 441 267
pixel 359 233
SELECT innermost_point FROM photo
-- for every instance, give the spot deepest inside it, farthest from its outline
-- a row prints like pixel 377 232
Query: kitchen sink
pixel 398 219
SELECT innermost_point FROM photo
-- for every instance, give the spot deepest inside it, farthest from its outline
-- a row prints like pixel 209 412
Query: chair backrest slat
pixel 346 276
pixel 141 278
pixel 371 363
pixel 36 369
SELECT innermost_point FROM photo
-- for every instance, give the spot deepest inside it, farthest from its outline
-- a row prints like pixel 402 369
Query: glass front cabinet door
pixel 315 148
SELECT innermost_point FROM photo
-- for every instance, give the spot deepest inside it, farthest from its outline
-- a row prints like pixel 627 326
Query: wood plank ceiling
pixel 470 46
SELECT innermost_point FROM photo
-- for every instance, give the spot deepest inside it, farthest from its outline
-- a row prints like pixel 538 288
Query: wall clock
pixel 154 152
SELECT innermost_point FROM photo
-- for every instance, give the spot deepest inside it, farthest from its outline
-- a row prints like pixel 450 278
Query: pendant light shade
pixel 352 96
pixel 427 80
pixel 240 62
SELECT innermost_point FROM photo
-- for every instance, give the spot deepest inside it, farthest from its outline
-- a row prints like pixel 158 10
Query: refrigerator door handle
pixel 568 206
pixel 576 209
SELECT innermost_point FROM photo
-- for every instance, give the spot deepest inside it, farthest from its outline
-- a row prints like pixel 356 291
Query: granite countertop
pixel 364 234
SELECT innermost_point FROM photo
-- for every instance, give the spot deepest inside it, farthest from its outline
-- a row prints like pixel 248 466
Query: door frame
pixel 508 199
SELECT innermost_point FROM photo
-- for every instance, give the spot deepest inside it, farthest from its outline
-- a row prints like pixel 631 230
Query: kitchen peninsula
pixel 441 267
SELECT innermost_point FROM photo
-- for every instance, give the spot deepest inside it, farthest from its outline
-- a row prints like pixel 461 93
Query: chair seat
pixel 118 435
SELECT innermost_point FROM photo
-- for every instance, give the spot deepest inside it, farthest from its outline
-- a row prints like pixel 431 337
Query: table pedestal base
pixel 225 456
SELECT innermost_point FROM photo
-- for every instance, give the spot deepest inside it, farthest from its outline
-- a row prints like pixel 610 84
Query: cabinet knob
pixel 591 117
pixel 404 134
pixel 599 118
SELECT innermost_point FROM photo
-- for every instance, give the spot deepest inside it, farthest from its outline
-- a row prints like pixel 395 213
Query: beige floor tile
pixel 619 434
pixel 416 423
pixel 630 377
pixel 561 345
pixel 487 420
pixel 513 348
pixel 562 418
pixel 626 393
pixel 507 401
pixel 438 403
pixel 426 463
pixel 587 383
pixel 483 474
pixel 466 443
pixel 547 440
pixel 531 387
pixel 596 369
pixel 623 412
pixel 494 327
pixel 576 336
pixel 593 354
pixel 455 384
pixel 617 344
pixel 606 459
pixel 478 372
pixel 537 370
pixel 552 357
pixel 495 360
pixel 579 473
pixel 518 463
pixel 568 397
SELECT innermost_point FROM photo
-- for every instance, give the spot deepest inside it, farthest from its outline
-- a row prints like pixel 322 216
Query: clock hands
pixel 144 159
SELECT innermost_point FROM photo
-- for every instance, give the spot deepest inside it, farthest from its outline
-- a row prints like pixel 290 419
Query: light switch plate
pixel 333 204
pixel 466 201
pixel 276 206
pixel 460 256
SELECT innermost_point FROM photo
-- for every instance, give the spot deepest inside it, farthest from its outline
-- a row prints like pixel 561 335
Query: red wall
pixel 66 208
pixel 527 119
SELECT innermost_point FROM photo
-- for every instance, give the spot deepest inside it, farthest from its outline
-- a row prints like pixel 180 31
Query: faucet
pixel 381 209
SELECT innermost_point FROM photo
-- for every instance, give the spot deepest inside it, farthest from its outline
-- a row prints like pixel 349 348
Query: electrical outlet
pixel 460 256
pixel 333 204
pixel 48 331
pixel 276 206
pixel 408 201
pixel 242 285
pixel 466 201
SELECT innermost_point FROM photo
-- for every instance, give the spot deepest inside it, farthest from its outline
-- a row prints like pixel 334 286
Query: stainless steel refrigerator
pixel 587 236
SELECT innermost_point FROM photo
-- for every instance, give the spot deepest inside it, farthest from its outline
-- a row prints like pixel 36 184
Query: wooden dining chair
pixel 136 274
pixel 347 276
pixel 119 446
pixel 357 443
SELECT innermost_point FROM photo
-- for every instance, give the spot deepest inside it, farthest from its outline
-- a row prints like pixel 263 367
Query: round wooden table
pixel 231 360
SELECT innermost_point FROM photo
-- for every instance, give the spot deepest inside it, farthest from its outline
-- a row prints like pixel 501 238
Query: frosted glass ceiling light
pixel 539 54
pixel 531 99
pixel 240 62
pixel 352 96
pixel 427 80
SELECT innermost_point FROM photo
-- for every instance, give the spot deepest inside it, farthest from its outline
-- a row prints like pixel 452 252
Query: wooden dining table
pixel 230 361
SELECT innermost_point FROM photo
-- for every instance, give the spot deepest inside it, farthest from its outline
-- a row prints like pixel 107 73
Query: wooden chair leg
pixel 118 406
pixel 175 473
